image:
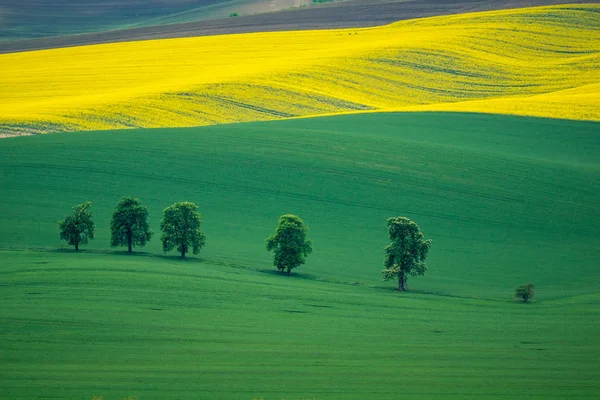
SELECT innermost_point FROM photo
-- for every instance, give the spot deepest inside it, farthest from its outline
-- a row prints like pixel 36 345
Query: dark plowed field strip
pixel 361 13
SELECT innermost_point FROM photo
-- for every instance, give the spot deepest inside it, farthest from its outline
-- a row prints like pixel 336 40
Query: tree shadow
pixel 125 253
pixel 394 288
pixel 428 293
pixel 65 250
pixel 294 275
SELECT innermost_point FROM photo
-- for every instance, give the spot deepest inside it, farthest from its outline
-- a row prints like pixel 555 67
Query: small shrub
pixel 525 292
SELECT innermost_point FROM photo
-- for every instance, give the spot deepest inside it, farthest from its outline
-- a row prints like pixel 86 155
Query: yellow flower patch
pixel 542 61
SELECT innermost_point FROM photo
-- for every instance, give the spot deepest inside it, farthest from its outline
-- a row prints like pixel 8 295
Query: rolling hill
pixel 514 197
pixel 31 20
pixel 442 63
pixel 44 18
pixel 507 200
pixel 413 122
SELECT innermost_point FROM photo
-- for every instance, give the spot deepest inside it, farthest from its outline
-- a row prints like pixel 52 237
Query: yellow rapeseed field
pixel 542 61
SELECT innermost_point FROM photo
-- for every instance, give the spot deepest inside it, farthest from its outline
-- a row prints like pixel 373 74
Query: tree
pixel 78 228
pixel 129 226
pixel 525 292
pixel 289 244
pixel 407 252
pixel 181 228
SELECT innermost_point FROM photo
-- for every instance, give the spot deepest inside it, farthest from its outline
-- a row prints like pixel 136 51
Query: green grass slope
pixel 77 326
pixel 506 200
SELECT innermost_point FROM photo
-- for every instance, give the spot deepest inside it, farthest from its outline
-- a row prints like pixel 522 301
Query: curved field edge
pixel 347 14
pixel 537 61
pixel 506 200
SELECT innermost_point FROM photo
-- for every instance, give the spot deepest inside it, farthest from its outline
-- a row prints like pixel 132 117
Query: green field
pixel 506 200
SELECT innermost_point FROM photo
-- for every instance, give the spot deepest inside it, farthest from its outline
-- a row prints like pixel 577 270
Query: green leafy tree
pixel 181 228
pixel 78 228
pixel 407 253
pixel 129 226
pixel 525 292
pixel 289 243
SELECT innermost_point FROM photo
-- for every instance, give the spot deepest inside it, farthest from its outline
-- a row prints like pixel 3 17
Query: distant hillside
pixel 537 61
pixel 43 18
pixel 101 21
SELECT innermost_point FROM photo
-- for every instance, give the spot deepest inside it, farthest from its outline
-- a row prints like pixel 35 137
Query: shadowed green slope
pixel 506 200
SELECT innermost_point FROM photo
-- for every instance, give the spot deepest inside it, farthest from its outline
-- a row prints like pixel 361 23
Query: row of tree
pixel 180 226
pixel 129 226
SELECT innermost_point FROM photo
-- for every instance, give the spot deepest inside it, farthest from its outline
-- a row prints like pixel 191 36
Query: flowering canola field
pixel 542 61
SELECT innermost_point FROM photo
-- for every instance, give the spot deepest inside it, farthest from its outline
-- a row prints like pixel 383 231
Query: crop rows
pixel 539 61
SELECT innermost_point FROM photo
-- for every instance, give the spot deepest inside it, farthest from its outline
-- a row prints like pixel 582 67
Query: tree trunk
pixel 129 240
pixel 183 251
pixel 401 281
pixel 76 246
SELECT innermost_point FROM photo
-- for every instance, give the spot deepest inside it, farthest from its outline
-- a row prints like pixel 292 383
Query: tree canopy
pixel 78 228
pixel 129 225
pixel 407 252
pixel 181 228
pixel 525 292
pixel 289 244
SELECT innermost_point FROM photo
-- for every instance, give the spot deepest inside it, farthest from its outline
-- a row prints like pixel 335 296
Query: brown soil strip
pixel 350 14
